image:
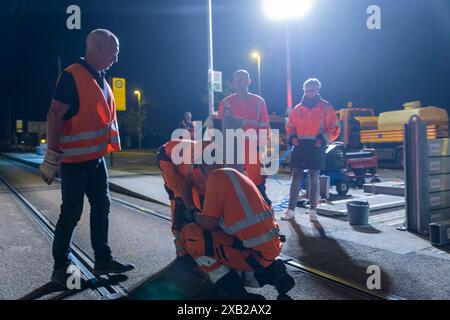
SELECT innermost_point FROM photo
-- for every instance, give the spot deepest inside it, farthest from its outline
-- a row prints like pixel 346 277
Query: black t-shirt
pixel 66 90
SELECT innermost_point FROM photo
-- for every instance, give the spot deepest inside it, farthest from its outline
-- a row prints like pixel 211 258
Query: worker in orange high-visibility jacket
pixel 311 126
pixel 251 109
pixel 82 129
pixel 235 231
pixel 184 184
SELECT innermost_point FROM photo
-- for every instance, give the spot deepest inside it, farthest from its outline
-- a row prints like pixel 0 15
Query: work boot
pixel 60 276
pixel 230 287
pixel 288 215
pixel 277 276
pixel 112 266
pixel 282 281
pixel 313 215
pixel 186 259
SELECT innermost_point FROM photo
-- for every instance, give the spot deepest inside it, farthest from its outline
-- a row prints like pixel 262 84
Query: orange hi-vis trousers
pixel 172 180
pixel 253 171
pixel 252 164
pixel 217 253
pixel 177 208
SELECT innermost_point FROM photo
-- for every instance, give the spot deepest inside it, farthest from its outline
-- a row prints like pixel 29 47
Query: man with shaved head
pixel 251 110
pixel 102 49
pixel 82 129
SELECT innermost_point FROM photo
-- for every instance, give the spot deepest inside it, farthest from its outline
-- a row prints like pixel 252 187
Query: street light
pixel 139 128
pixel 138 93
pixel 257 56
pixel 287 10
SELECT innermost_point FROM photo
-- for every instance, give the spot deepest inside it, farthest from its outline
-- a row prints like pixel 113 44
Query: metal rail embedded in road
pixel 338 282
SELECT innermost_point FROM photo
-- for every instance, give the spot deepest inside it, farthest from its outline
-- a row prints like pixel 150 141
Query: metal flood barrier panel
pixel 377 202
pixel 440 233
pixel 427 178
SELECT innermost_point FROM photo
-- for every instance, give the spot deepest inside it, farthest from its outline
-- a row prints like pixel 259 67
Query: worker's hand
pixel 179 203
pixel 320 141
pixel 50 167
pixel 293 140
pixel 179 220
pixel 190 214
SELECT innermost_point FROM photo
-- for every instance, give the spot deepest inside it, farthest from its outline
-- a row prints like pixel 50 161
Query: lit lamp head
pixel 287 9
pixel 138 94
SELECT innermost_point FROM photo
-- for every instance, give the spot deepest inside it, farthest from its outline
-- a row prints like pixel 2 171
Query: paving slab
pixel 391 188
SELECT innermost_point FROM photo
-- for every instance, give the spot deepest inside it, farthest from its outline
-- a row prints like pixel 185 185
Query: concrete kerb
pixel 112 186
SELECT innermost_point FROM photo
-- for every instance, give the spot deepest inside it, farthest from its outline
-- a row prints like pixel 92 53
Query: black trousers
pixel 78 179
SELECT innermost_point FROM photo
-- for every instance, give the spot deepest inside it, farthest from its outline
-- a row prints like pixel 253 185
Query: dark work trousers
pixel 78 179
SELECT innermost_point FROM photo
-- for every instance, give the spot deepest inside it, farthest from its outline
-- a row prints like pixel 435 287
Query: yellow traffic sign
pixel 37 127
pixel 119 93
pixel 19 126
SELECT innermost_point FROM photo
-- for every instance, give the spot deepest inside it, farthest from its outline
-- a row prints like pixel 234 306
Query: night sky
pixel 163 52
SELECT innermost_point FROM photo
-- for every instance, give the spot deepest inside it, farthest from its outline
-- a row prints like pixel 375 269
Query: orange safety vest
pixel 252 111
pixel 247 216
pixel 93 131
pixel 308 123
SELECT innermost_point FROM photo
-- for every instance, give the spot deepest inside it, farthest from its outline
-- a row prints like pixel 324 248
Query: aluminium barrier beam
pixel 427 178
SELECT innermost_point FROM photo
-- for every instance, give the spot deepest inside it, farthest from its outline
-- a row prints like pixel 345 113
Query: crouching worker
pixel 235 231
pixel 174 177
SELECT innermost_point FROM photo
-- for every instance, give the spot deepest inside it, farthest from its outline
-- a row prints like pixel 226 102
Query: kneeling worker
pixel 235 231
pixel 174 177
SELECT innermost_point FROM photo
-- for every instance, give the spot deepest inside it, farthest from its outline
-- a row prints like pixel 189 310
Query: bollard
pixel 415 168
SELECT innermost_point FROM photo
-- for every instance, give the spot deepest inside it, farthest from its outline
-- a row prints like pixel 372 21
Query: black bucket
pixel 358 212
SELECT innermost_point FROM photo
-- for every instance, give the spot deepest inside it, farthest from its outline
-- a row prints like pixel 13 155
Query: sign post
pixel 120 96
pixel 215 81
pixel 119 90
pixel 19 126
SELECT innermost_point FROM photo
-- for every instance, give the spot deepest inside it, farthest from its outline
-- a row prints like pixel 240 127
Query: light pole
pixel 138 94
pixel 210 67
pixel 257 56
pixel 287 10
pixel 290 102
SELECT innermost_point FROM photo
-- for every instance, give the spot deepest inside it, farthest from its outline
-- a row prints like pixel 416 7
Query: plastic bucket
pixel 358 212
